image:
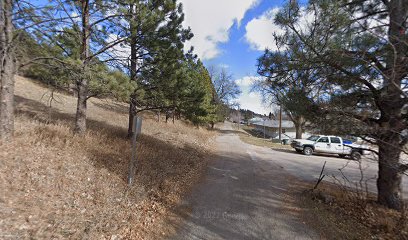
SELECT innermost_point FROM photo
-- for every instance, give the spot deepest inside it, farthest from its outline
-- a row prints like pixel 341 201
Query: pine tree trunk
pixel 174 115
pixel 80 120
pixel 389 177
pixel 7 97
pixel 390 126
pixel 82 84
pixel 391 123
pixel 133 67
pixel 132 113
pixel 7 71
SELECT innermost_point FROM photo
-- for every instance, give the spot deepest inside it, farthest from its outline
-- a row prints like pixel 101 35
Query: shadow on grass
pixel 111 148
pixel 113 107
pixel 42 113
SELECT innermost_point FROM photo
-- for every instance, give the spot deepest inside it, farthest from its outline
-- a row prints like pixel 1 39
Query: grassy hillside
pixel 57 185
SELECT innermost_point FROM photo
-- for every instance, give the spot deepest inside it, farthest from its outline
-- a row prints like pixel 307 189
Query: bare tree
pixel 225 86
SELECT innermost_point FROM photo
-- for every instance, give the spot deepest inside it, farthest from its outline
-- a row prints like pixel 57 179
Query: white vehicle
pixel 328 144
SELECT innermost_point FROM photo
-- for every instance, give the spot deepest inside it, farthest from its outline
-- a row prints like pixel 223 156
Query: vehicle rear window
pixel 335 140
pixel 324 140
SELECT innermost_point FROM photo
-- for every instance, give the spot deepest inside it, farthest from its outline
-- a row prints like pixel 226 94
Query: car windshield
pixel 313 138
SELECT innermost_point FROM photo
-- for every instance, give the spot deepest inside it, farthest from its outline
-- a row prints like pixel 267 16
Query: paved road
pixel 308 168
pixel 245 194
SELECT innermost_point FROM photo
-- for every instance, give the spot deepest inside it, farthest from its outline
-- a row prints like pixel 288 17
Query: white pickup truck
pixel 329 144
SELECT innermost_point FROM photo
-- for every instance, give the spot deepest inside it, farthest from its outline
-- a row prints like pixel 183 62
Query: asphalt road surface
pixel 245 193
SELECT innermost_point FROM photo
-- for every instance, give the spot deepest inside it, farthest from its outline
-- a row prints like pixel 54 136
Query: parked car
pixel 329 144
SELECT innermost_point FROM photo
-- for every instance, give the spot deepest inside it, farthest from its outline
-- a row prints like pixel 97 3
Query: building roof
pixel 275 123
pixel 255 119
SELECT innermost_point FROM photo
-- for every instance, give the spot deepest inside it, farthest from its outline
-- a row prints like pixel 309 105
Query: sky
pixel 234 34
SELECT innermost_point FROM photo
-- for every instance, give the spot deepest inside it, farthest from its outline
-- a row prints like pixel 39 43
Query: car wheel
pixel 342 155
pixel 307 151
pixel 355 156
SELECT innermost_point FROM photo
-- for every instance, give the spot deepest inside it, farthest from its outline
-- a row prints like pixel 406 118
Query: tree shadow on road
pixel 252 201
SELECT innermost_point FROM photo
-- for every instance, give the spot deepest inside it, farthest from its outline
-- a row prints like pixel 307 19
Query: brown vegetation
pixel 58 185
pixel 340 213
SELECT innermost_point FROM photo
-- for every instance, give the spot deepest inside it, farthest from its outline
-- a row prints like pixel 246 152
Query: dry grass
pixel 55 185
pixel 337 213
pixel 247 135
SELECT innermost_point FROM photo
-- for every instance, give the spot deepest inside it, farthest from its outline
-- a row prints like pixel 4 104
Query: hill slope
pixel 57 185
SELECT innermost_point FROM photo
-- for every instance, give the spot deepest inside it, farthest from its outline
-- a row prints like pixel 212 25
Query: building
pixel 271 128
pixel 255 120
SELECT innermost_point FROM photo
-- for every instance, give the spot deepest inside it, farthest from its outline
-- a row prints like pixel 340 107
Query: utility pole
pixel 239 117
pixel 264 127
pixel 280 124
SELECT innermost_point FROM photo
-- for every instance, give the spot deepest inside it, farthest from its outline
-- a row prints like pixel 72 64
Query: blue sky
pixel 237 52
pixel 234 34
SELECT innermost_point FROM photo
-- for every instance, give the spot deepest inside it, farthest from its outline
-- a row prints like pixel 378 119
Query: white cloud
pixel 250 100
pixel 253 102
pixel 119 51
pixel 211 20
pixel 260 31
pixel 246 81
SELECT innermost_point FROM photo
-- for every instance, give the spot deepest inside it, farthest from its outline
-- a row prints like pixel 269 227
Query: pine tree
pixel 156 34
pixel 359 53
